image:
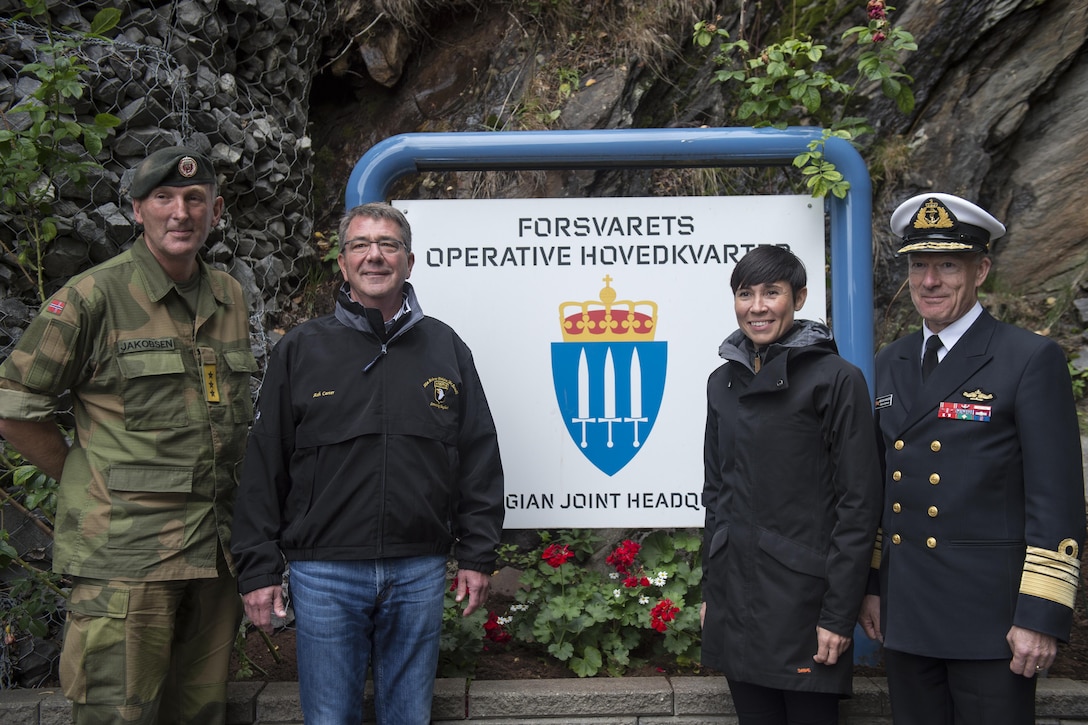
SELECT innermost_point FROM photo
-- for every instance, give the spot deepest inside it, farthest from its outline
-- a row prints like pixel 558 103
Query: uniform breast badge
pixel 964 411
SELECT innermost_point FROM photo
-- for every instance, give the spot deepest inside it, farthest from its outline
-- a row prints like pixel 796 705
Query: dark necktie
pixel 929 359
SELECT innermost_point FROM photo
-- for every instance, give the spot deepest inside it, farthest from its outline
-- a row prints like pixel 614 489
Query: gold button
pixel 931 542
pixel 896 507
pixel 899 445
pixel 897 475
pixel 934 478
pixel 935 446
pixel 933 512
pixel 896 538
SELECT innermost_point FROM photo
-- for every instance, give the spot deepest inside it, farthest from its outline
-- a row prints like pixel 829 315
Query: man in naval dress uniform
pixel 983 520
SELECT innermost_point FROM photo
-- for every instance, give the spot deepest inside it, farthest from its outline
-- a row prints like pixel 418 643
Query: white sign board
pixel 594 324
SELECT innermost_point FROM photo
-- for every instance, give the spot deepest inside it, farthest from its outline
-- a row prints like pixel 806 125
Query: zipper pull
pixel 374 362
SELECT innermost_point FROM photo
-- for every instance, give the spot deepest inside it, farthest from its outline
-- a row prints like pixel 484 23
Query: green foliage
pixel 569 79
pixel 38 491
pixel 602 621
pixel 246 666
pixel 462 638
pixel 48 146
pixel 790 83
pixel 1080 381
pixel 1080 388
pixel 56 146
pixel 329 248
pixel 34 599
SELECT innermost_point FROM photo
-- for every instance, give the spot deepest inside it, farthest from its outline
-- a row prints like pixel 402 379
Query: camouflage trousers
pixel 149 652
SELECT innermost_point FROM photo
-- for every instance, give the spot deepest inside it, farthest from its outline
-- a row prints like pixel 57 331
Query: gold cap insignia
pixel 933 215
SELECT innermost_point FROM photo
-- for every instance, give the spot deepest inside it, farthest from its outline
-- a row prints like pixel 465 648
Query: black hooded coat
pixel 792 493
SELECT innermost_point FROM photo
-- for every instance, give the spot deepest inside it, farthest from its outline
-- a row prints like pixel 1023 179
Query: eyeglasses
pixel 388 247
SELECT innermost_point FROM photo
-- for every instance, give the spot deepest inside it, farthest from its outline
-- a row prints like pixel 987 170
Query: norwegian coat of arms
pixel 609 376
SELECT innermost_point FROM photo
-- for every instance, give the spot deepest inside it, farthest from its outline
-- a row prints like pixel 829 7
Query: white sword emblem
pixel 636 395
pixel 609 394
pixel 583 396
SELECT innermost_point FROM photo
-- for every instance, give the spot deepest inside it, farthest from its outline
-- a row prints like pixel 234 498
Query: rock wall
pixel 231 79
pixel 1001 89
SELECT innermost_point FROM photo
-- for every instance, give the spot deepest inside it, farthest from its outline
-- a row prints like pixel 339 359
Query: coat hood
pixel 804 334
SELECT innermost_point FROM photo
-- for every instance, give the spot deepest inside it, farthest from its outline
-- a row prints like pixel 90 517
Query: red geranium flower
pixel 623 558
pixel 494 631
pixel 664 611
pixel 557 555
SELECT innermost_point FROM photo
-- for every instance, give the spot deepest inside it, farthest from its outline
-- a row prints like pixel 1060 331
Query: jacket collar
pixel 159 284
pixel 351 314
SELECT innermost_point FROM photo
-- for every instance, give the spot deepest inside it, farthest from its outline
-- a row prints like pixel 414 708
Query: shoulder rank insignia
pixel 977 395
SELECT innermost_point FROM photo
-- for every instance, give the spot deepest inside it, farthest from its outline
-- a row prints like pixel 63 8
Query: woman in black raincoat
pixel 793 495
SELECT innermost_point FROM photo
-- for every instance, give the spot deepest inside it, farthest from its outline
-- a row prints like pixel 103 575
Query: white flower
pixel 642 599
pixel 658 582
pixel 519 607
pixel 504 620
pixel 613 575
pixel 662 575
pixel 616 593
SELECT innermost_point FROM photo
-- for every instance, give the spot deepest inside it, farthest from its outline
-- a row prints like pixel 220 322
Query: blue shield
pixel 609 394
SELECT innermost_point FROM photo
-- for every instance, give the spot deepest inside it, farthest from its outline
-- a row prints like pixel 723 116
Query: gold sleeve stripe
pixel 877 547
pixel 1051 575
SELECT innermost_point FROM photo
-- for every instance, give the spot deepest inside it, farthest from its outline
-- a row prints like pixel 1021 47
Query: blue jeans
pixel 385 613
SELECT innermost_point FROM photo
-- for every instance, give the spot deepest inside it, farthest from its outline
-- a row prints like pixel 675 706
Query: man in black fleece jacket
pixel 373 458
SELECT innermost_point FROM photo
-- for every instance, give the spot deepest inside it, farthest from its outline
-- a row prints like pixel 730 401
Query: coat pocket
pixel 148 507
pixel 792 555
pixel 154 394
pixel 721 536
pixel 241 366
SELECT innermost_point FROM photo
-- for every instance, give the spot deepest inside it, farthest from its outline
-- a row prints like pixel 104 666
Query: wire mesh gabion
pixel 230 78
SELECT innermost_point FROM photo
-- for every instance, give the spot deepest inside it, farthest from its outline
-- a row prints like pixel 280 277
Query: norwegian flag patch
pixel 56 306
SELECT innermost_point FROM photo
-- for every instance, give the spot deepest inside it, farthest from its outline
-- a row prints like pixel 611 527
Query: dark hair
pixel 767 263
pixel 377 210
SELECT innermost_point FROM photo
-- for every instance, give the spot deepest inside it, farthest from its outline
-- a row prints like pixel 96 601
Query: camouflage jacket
pixel 161 404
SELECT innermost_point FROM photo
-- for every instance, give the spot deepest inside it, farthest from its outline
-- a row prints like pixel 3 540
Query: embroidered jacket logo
pixel 442 388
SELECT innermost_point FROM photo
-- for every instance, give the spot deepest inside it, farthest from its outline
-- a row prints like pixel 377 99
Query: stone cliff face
pixel 289 95
pixel 1001 89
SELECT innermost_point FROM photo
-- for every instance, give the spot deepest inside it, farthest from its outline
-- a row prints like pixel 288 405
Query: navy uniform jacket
pixel 984 507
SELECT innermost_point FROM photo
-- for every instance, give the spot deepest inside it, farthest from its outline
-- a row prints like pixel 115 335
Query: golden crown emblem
pixel 608 318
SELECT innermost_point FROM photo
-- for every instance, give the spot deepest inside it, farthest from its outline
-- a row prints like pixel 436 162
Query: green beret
pixel 171 166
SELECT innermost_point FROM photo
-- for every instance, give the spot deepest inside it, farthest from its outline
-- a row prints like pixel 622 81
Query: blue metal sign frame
pixel 851 230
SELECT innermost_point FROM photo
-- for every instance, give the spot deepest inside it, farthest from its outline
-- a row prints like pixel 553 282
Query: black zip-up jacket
pixel 368 444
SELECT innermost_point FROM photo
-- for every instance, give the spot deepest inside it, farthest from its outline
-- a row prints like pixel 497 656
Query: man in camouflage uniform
pixel 154 347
